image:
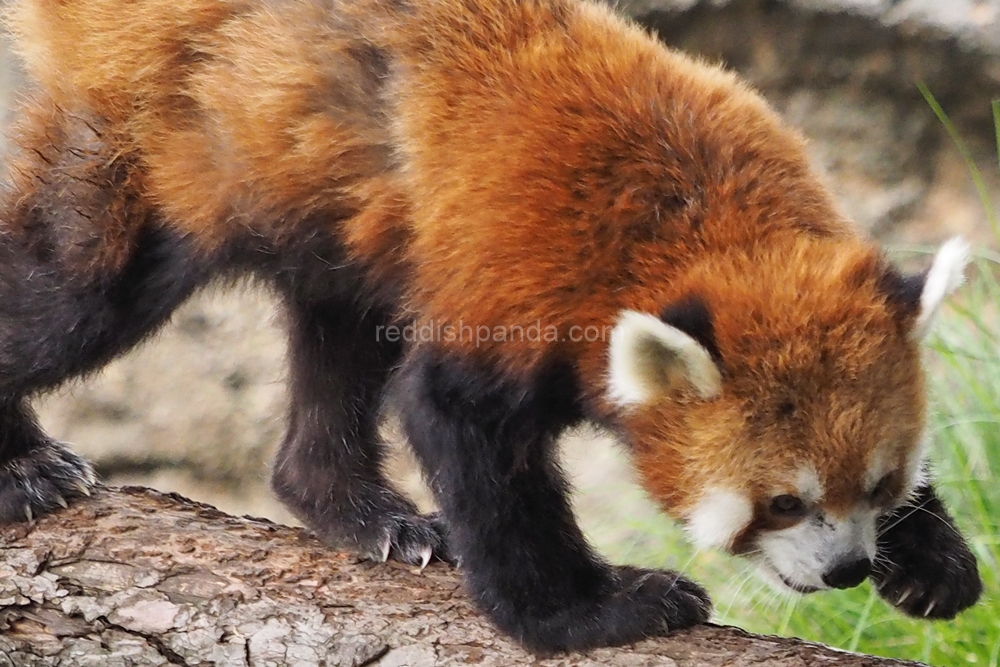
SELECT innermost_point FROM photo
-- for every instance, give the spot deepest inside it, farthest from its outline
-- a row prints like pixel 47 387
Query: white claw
pixel 904 596
pixel 930 608
pixel 83 488
pixel 425 557
pixel 385 549
pixel 28 513
pixel 62 501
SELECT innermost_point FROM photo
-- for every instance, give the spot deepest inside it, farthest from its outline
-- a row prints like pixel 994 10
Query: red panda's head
pixel 777 408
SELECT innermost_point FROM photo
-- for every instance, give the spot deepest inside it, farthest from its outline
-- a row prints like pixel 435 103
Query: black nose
pixel 848 575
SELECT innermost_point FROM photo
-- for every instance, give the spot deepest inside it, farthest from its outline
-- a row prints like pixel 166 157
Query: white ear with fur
pixel 946 274
pixel 648 358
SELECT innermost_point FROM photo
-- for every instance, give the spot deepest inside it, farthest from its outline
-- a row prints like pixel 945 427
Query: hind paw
pixel 412 539
pixel 373 521
pixel 44 479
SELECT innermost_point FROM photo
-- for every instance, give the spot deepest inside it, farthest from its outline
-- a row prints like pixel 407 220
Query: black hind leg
pixel 328 470
pixel 85 273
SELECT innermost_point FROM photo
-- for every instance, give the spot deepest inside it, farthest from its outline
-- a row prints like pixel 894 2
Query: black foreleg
pixel 487 445
pixel 924 566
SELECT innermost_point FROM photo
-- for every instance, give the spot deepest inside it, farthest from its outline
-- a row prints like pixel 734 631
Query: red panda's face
pixel 809 517
pixel 782 437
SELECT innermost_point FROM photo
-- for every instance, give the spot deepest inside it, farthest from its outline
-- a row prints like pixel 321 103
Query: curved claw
pixel 386 546
pixel 425 557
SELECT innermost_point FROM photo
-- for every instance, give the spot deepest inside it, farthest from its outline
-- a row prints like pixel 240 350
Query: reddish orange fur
pixel 46 129
pixel 587 171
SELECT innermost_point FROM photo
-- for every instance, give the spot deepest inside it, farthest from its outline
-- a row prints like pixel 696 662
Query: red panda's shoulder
pixel 576 166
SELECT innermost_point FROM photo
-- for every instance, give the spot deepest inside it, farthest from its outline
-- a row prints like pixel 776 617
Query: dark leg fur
pixel 924 567
pixel 67 307
pixel 487 445
pixel 328 470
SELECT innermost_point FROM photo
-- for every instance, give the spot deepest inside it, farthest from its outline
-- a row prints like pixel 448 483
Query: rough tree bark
pixel 134 577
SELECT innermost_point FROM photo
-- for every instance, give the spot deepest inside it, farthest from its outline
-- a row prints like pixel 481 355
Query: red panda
pixel 585 224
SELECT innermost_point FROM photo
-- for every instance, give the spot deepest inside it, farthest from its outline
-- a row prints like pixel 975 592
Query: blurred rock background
pixel 199 408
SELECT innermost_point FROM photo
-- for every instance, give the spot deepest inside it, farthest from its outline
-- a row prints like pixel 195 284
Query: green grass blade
pixel 996 126
pixel 970 162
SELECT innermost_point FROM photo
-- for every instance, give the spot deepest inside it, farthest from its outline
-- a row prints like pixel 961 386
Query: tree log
pixel 135 577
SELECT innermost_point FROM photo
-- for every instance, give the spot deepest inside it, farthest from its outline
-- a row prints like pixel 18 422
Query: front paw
pixel 42 480
pixel 924 567
pixel 635 604
pixel 674 602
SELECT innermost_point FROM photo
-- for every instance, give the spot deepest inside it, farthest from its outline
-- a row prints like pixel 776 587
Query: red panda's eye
pixel 787 505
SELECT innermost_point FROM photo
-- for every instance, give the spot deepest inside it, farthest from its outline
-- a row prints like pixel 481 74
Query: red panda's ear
pixel 649 358
pixel 919 297
pixel 692 316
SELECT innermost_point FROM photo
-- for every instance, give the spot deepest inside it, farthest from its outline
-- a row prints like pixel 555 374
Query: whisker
pixel 913 509
pixel 942 520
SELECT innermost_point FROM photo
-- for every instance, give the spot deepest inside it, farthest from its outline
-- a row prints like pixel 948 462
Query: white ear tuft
pixel 945 276
pixel 647 357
